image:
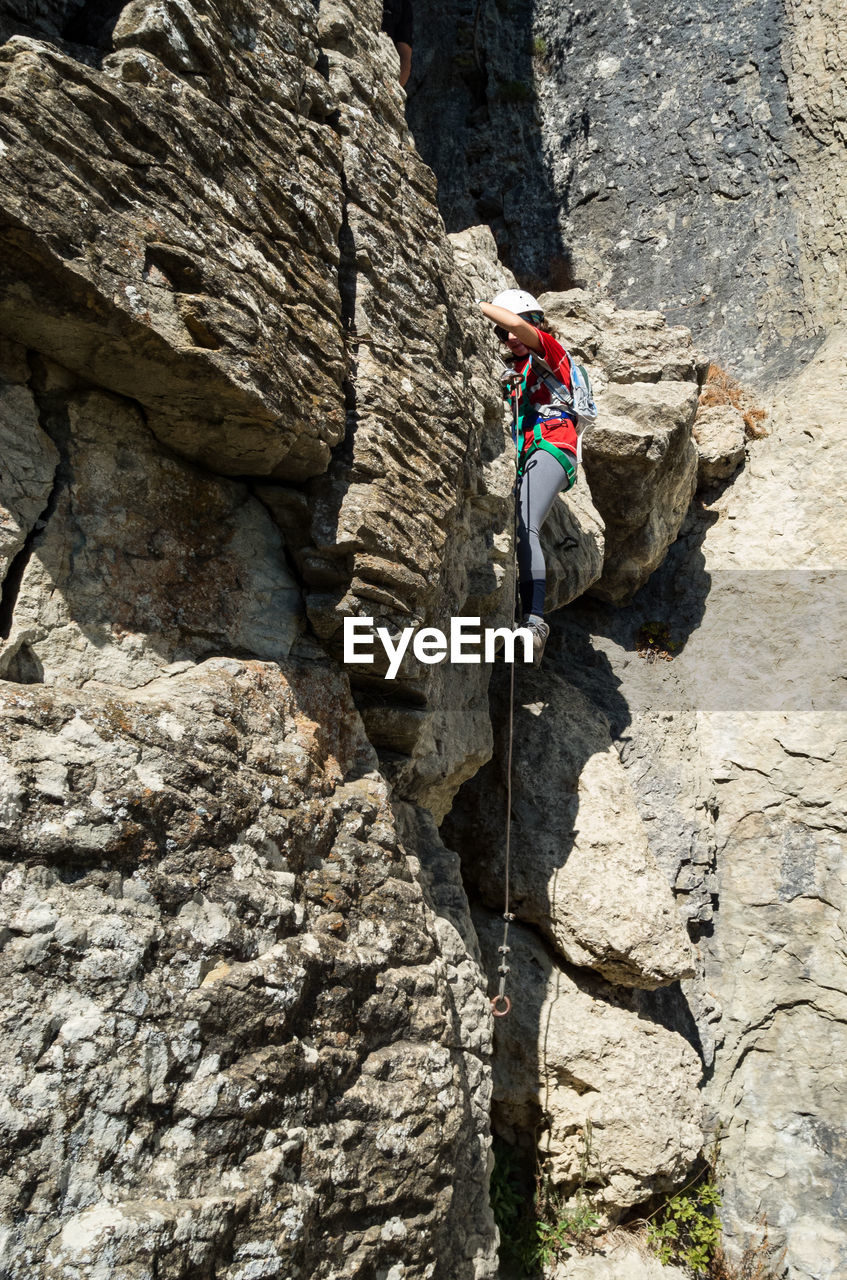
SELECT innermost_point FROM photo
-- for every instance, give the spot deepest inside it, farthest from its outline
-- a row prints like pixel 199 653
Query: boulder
pixel 613 1095
pixel 626 346
pixel 582 869
pixel 475 251
pixel 720 437
pixel 640 462
pixel 642 467
pixel 142 561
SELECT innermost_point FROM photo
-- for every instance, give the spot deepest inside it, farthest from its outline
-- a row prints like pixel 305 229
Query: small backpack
pixel 579 401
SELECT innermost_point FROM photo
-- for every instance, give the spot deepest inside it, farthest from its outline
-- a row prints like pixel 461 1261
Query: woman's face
pixel 516 347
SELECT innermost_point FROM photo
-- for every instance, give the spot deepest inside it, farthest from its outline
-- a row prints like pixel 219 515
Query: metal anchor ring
pixel 495 1001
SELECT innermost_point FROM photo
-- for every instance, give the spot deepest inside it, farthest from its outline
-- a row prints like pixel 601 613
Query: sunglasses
pixel 500 333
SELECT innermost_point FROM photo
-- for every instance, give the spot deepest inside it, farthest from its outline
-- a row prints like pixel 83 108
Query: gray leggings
pixel 543 477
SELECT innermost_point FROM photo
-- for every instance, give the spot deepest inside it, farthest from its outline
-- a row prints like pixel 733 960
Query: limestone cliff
pixel 689 157
pixel 246 1025
pixel 248 928
pixel 736 745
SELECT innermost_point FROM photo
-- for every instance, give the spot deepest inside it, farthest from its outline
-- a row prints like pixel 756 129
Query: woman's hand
pixel 515 324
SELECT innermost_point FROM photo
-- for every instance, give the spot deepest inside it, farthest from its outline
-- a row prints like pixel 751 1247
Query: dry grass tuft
pixel 760 1261
pixel 721 388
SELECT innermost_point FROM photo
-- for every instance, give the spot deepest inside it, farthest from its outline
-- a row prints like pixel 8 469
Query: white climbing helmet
pixel 521 302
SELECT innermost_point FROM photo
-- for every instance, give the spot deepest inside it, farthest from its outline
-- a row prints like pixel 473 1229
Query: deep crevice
pixel 24 667
pixel 93 22
pixel 11 586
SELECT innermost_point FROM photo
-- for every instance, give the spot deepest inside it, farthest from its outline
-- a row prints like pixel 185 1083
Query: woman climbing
pixel 544 423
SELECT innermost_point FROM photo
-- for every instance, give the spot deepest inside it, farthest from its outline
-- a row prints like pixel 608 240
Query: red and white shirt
pixel 558 429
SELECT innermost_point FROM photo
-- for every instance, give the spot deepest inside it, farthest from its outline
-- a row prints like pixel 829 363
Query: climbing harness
pixel 521 410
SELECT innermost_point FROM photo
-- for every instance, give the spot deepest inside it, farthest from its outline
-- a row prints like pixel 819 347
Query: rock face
pixel 144 561
pixel 226 976
pixel 688 160
pixel 30 459
pixel 583 872
pixel 227 1013
pixel 615 1097
pixel 409 524
pixel 617 1262
pixel 146 272
pixel 776 746
pixel 253 293
pixel 719 435
pixel 639 458
pixel 640 464
pixel 246 395
pixel 184 849
pixel 739 760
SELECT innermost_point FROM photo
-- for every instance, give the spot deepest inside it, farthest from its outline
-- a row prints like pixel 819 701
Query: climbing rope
pixel 501 1004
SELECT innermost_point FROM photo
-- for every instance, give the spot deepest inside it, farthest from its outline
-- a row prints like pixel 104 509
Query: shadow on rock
pixel 581 867
pixel 611 1098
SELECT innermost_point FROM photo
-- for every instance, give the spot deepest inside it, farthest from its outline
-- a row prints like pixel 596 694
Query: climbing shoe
pixel 540 631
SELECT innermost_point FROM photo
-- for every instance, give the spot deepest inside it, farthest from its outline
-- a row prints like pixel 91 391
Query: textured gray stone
pixel 639 460
pixel 643 464
pixel 235 1031
pixel 735 750
pixel 244 1021
pixel 620 1262
pixel 250 1033
pixel 681 157
pixel 158 241
pixel 720 437
pixel 776 748
pixel 582 870
pixel 410 524
pixel 29 466
pixel 143 561
pixel 613 1096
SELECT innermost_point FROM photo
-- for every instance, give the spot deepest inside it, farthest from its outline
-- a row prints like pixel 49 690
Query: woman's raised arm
pixel 510 320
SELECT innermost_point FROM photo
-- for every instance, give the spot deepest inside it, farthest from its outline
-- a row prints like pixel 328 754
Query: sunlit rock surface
pixel 230 1010
pixel 582 870
pixel 614 1096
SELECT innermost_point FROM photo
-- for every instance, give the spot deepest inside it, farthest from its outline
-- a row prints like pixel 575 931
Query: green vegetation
pixel 562 1230
pixel 687 1229
pixel 653 640
pixel 538 1225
